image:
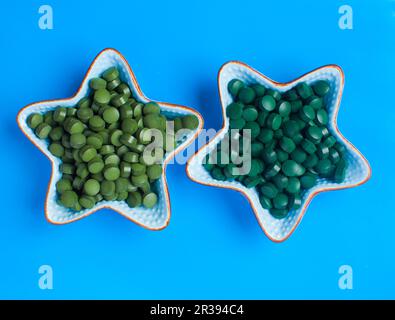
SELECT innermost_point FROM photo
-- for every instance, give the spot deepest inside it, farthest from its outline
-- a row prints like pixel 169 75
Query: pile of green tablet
pixel 290 145
pixel 102 143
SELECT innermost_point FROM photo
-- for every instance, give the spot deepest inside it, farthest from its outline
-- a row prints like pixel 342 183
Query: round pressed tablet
pixel 78 183
pixel 334 155
pixel 275 94
pixel 265 135
pixel 304 90
pixel 284 108
pixel 97 83
pixel 106 149
pixel 308 180
pixel 82 171
pixel 107 188
pixel 250 114
pixel 34 120
pixel 308 146
pixel 150 200
pixel 287 144
pixel 291 95
pixel 329 141
pixel 63 185
pixel 139 180
pixel 91 187
pixel 113 84
pixel 259 89
pixel 95 165
pixel 121 185
pixel 256 149
pixel 125 169
pixel 292 169
pixel 111 115
pixel 299 155
pixel 190 122
pixel 294 202
pixel 154 172
pixel 87 202
pixel 115 137
pixel 234 110
pixel 279 213
pixel 123 88
pixel 111 159
pixel 296 105
pixel 266 203
pixel 293 185
pixel 56 134
pixel 280 201
pixel 43 130
pixel 314 134
pixel 269 155
pixel 87 153
pixel 96 123
pixel 59 114
pixel 281 155
pixel 234 86
pixel 128 140
pixel 134 199
pixel 84 114
pixel 323 166
pixel 246 95
pixel 253 127
pixel 95 140
pixel 56 149
pixel 251 182
pixel 262 115
pixel 102 96
pixel 269 190
pixel 311 161
pixel 322 151
pixel 322 117
pixel 267 103
pixel 321 88
pixel 73 125
pixel 307 113
pixel 290 128
pixel 118 100
pixel 280 181
pixel 77 140
pixel 274 121
pixel 111 172
pixel 68 198
pixel 111 74
pixel 237 123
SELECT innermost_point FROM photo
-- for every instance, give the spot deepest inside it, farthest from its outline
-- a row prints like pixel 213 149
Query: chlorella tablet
pixel 101 143
pixel 289 144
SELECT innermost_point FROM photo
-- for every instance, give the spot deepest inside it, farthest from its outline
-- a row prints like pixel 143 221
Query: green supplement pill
pixel 307 113
pixel 91 187
pixel 77 140
pixel 275 94
pixel 63 185
pixel 102 96
pixel 292 169
pixel 322 117
pixel 274 121
pixel 314 134
pixel 298 155
pixel 323 166
pixel 284 108
pixel 293 185
pixel 134 199
pixel 87 202
pixel 87 153
pixel 250 114
pixel 234 110
pixel 340 171
pixel 111 172
pixel 304 90
pixel 246 95
pixel 308 180
pixel 294 202
pixel 308 146
pixel 321 88
pixel 111 74
pixel 150 200
pixel 111 115
pixel 69 198
pixel 59 114
pixel 234 87
pixel 279 213
pixel 107 188
pixel 98 83
pixel 287 144
pixel 121 185
pixel 113 84
pixel 269 190
pixel 267 103
pixel 95 140
pixel 154 172
pixel 56 149
pixel 280 181
pixel 280 201
pixel 253 127
pixel 265 202
pixel 43 130
pixel 95 165
pixel 259 90
pixel 34 120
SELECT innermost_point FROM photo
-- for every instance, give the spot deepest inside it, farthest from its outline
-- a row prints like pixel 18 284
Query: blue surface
pixel 213 247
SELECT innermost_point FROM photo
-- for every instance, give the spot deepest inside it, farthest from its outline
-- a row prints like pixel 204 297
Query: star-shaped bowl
pixel 154 219
pixel 358 170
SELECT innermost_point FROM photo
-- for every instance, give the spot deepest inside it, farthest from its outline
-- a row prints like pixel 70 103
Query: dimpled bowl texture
pixel 155 218
pixel 358 169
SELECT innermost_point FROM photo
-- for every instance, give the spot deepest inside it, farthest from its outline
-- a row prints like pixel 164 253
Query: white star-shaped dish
pixel 154 219
pixel 358 170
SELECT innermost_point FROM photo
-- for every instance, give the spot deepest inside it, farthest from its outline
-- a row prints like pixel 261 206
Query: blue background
pixel 213 247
